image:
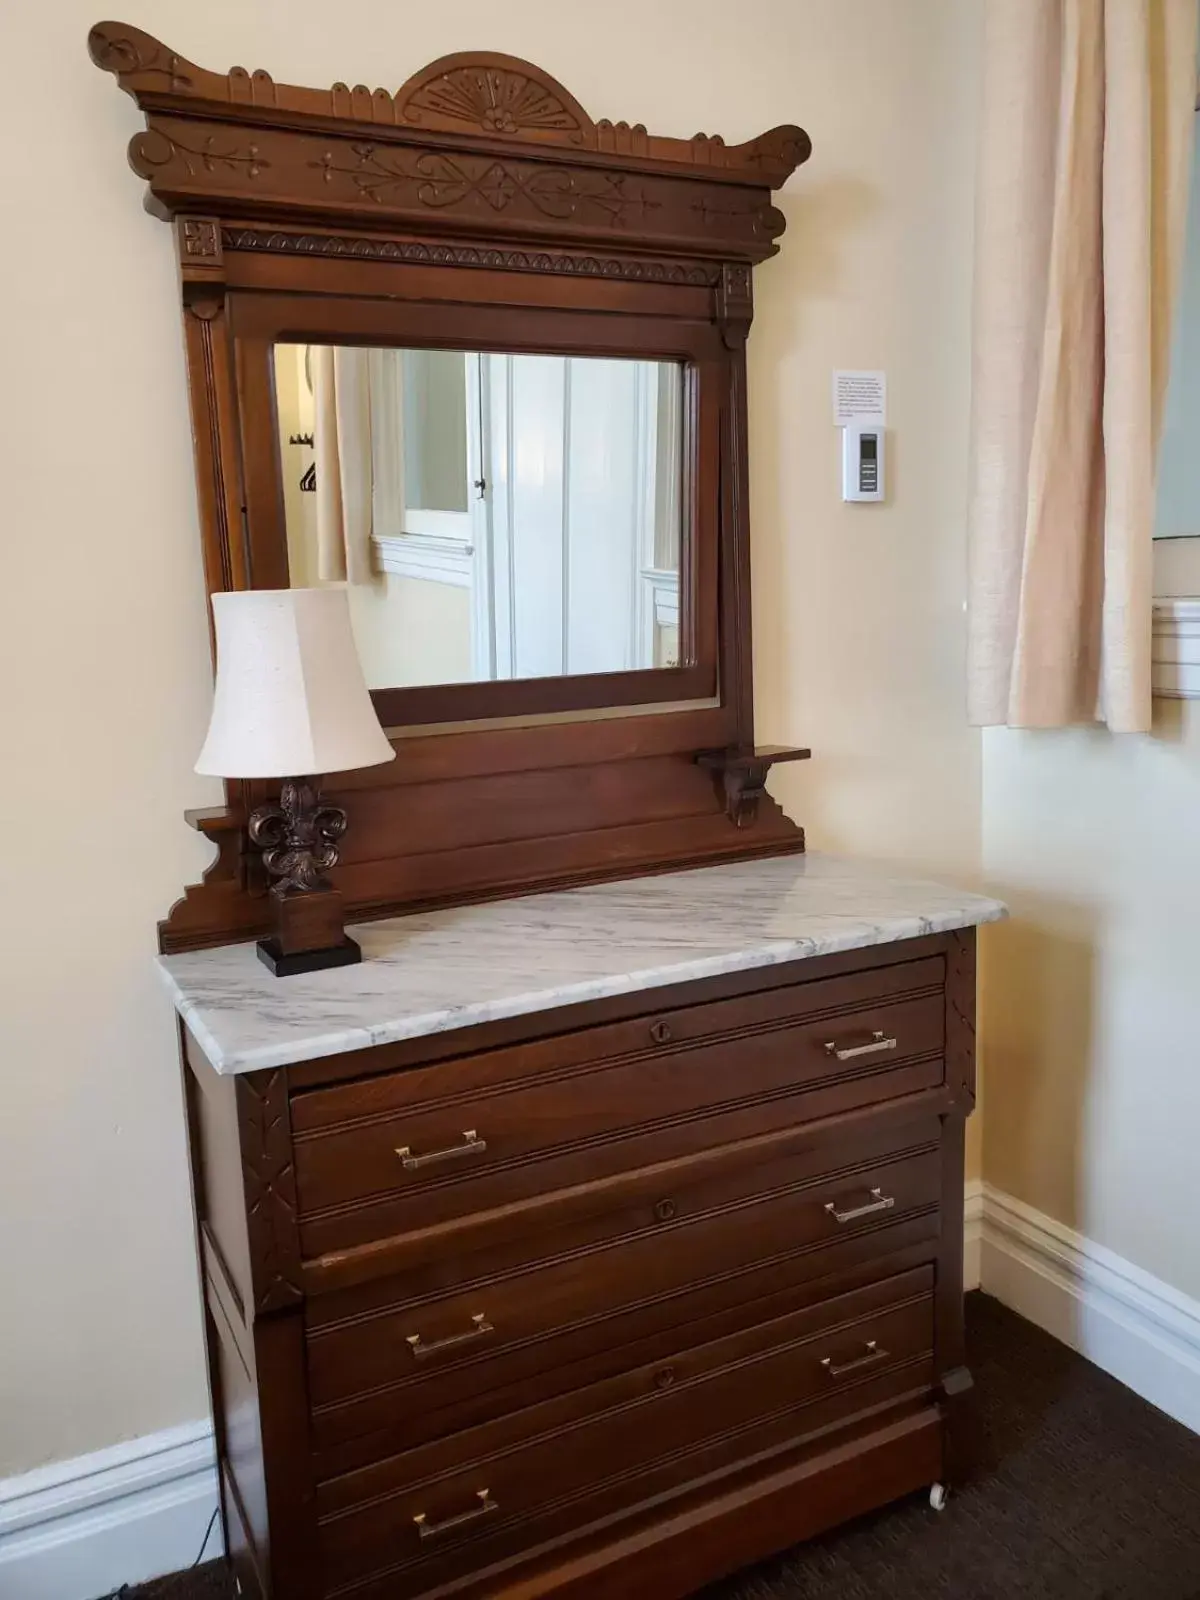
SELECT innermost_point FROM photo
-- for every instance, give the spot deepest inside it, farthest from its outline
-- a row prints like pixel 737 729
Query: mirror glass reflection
pixel 494 516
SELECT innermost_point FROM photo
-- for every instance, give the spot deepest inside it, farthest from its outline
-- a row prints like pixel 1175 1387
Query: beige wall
pixel 1092 993
pixel 1090 1017
pixel 1177 566
pixel 858 610
pixel 412 630
pixel 859 619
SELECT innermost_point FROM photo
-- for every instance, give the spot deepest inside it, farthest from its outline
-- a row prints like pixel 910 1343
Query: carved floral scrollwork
pixel 153 150
pixel 766 220
pixel 440 181
pixel 140 55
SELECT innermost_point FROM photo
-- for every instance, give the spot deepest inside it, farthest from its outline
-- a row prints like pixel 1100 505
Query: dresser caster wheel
pixel 938 1496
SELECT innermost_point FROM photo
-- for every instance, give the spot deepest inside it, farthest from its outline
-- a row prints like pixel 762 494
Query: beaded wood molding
pixel 475 142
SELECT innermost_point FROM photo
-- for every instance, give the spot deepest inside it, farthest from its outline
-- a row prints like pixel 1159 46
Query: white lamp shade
pixel 290 698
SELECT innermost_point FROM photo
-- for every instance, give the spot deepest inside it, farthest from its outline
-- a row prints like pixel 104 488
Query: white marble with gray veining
pixel 439 970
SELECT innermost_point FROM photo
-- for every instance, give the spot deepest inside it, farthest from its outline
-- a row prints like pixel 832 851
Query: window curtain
pixel 342 452
pixel 1082 198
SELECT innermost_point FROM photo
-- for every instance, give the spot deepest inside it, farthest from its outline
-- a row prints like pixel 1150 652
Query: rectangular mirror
pixel 495 516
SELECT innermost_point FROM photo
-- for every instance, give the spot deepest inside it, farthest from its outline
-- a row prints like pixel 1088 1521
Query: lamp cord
pixel 125 1591
pixel 207 1536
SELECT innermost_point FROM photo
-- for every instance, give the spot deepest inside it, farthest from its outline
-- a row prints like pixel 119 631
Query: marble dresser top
pixel 438 970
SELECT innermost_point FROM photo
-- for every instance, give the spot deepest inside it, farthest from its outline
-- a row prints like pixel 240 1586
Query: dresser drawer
pixel 417 1149
pixel 501 1485
pixel 434 1352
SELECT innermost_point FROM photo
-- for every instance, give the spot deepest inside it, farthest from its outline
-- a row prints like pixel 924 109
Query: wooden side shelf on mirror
pixel 742 775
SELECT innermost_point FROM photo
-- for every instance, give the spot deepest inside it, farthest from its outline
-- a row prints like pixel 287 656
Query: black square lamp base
pixel 283 965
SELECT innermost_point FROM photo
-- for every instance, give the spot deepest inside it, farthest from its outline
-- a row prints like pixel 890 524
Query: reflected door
pixel 583 514
pixel 522 515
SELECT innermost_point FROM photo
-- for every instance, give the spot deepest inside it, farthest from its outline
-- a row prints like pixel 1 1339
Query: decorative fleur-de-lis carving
pixel 298 838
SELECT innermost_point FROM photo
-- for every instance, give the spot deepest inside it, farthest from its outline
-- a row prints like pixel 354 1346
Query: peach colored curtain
pixel 1082 198
pixel 342 451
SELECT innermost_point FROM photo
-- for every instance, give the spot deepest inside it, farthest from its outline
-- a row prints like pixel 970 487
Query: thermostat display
pixel 862 463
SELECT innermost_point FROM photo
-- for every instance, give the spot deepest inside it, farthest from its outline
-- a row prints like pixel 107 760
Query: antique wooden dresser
pixel 601 1232
pixel 600 1298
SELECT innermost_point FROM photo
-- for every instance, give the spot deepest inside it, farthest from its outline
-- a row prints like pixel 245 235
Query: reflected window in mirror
pixel 495 516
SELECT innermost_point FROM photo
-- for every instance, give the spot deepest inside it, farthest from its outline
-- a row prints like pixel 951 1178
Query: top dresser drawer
pixel 433 1143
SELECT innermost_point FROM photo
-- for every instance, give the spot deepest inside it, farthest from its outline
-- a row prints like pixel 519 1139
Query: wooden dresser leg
pixel 962 1430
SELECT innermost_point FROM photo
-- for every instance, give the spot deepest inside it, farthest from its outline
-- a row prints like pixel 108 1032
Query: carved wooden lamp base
pixel 299 837
pixel 309 935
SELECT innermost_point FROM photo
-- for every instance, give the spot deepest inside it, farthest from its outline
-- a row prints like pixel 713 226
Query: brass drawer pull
pixel 876 1045
pixel 472 1145
pixel 872 1354
pixel 430 1530
pixel 481 1327
pixel 878 1202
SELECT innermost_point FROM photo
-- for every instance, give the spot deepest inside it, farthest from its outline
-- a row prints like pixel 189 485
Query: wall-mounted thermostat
pixel 862 463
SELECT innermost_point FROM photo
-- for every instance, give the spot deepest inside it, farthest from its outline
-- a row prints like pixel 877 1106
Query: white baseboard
pixel 79 1529
pixel 1126 1321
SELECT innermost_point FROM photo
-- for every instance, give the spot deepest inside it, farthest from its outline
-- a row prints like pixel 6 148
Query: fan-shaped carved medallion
pixel 493 95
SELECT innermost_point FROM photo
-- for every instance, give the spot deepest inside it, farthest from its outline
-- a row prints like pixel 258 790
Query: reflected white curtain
pixel 342 450
pixel 1082 197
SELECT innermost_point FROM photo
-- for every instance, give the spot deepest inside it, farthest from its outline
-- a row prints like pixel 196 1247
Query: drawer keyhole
pixel 664 1377
pixel 660 1032
pixel 665 1210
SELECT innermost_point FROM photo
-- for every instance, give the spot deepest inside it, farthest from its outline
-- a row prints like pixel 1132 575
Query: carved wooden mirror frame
pixel 477 206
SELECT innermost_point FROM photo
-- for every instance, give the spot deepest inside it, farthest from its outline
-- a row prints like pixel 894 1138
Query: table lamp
pixel 291 702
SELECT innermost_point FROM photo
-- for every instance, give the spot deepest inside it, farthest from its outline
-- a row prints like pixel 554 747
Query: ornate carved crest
pixel 478 137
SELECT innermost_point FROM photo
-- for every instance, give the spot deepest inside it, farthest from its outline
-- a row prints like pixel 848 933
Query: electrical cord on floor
pixel 125 1590
pixel 207 1536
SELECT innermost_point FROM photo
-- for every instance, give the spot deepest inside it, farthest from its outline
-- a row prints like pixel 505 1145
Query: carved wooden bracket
pixel 735 303
pixel 473 143
pixel 742 776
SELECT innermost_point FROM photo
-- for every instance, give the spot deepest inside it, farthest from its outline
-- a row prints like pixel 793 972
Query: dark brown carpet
pixel 1085 1493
